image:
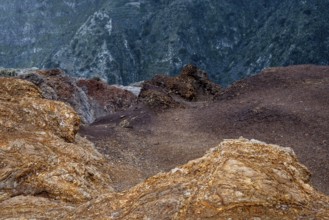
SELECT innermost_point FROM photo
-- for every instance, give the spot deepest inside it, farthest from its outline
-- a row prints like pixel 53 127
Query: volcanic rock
pixel 41 157
pixel 192 84
pixel 156 97
pixel 106 99
pixel 49 172
pixel 287 106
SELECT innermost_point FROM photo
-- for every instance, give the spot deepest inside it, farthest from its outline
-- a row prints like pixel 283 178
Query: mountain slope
pixel 287 106
pixel 32 30
pixel 124 41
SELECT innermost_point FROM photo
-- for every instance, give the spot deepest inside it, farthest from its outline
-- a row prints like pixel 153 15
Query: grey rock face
pixel 123 41
pixel 32 30
pixel 91 99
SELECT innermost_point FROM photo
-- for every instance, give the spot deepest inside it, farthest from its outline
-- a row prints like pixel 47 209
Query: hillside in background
pixel 125 41
pixel 32 30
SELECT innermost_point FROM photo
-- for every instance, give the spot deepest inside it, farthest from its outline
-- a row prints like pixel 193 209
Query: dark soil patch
pixel 285 106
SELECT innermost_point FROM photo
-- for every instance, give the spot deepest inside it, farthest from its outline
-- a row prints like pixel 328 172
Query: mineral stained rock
pixel 40 157
pixel 239 179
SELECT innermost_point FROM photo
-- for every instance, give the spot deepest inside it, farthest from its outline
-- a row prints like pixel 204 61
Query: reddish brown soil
pixel 286 106
pixel 107 95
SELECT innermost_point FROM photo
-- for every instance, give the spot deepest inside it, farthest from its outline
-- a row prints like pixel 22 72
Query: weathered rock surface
pixel 40 156
pixel 33 207
pixel 46 172
pixel 23 109
pixel 238 179
pixel 165 91
pixel 106 99
pixel 91 99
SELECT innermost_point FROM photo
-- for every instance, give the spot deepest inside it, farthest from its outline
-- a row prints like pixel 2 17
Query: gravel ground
pixel 288 106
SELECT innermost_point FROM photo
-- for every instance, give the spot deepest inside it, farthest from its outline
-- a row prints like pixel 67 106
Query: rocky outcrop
pixel 22 108
pixel 40 154
pixel 192 84
pixel 55 85
pixel 106 99
pixel 49 172
pixel 91 99
pixel 237 179
pixel 286 105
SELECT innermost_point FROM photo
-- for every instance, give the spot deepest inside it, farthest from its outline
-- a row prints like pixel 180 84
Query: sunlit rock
pixel 238 179
pixel 40 154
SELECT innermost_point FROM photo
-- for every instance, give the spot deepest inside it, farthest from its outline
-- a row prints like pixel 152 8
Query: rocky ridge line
pixel 90 98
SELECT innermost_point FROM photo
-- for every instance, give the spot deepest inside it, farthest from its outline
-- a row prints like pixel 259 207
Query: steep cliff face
pixel 126 41
pixel 33 29
pixel 138 39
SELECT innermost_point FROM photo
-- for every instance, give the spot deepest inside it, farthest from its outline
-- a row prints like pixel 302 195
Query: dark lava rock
pixel 156 97
pixel 192 84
